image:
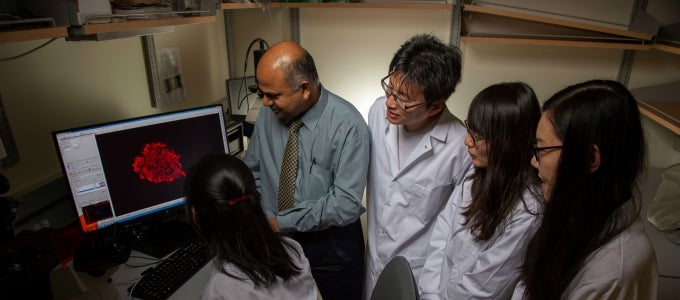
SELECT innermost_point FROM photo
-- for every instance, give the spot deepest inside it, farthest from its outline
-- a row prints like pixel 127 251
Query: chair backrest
pixel 396 282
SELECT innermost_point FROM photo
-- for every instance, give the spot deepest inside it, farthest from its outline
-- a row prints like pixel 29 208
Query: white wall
pixel 353 47
pixel 247 24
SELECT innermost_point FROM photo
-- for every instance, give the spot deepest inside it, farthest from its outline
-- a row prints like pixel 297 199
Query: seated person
pixel 591 244
pixel 251 261
pixel 479 238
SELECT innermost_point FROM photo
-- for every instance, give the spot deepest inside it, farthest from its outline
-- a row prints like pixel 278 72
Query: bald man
pixel 333 149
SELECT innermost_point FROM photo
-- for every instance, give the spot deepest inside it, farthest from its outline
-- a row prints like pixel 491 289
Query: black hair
pixel 506 116
pixel 587 207
pixel 301 69
pixel 427 65
pixel 238 232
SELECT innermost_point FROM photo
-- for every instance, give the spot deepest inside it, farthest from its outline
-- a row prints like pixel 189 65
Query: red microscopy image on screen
pixel 157 163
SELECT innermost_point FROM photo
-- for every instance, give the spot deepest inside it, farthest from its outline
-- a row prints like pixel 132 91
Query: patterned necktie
pixel 289 168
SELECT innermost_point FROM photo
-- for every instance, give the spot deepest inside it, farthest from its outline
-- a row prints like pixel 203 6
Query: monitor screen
pixel 124 170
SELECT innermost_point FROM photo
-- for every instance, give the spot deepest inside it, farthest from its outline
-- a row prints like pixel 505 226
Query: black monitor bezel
pixel 155 215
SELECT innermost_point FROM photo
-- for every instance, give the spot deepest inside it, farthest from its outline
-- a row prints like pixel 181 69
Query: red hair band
pixel 238 200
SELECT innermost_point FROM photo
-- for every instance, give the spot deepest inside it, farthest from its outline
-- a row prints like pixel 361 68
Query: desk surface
pixel 68 284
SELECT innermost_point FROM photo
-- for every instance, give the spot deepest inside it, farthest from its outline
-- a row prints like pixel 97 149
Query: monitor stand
pixel 160 238
pixel 100 252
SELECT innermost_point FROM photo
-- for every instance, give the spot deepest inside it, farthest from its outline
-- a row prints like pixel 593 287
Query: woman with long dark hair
pixel 590 152
pixel 479 239
pixel 251 261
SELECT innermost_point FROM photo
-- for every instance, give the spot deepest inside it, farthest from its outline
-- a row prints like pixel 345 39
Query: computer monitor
pixel 119 172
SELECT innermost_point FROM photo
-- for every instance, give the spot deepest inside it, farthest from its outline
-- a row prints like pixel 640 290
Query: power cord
pixel 244 83
pixel 29 51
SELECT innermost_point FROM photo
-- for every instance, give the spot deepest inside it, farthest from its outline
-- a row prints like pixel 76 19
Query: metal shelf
pixel 141 24
pixel 661 104
pixel 409 5
pixel 495 25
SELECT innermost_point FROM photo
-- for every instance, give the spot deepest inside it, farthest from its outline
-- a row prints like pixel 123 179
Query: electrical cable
pixel 10 16
pixel 27 52
pixel 244 81
pixel 153 261
pixel 132 288
pixel 246 97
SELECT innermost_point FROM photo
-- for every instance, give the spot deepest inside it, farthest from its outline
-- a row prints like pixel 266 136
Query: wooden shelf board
pixel 555 21
pixel 137 24
pixel 666 48
pixel 432 6
pixel 668 123
pixel 32 34
pixel 559 43
pixel 660 103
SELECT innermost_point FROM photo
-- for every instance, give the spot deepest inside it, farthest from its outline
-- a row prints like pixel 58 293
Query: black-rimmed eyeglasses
pixel 537 151
pixel 475 137
pixel 389 92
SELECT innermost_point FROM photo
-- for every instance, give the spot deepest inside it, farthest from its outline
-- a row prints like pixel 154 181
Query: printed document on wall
pixel 171 74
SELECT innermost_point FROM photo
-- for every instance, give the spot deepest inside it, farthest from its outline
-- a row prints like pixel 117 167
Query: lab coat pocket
pixel 425 203
pixel 461 257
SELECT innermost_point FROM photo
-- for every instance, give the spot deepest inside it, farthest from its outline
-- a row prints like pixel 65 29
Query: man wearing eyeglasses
pixel 417 156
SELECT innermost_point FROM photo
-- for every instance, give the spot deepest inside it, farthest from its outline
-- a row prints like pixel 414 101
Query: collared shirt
pixel 333 149
pixel 403 202
pixel 302 286
pixel 458 267
pixel 623 269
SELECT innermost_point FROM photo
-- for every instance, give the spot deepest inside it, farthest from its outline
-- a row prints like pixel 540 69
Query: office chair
pixel 396 282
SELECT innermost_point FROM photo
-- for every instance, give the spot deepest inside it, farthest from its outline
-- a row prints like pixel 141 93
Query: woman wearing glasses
pixel 479 239
pixel 590 151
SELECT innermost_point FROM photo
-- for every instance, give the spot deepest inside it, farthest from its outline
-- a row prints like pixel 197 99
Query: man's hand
pixel 274 224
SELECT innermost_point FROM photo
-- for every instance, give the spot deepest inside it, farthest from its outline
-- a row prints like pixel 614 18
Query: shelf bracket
pixel 640 5
pixel 295 25
pixel 9 154
pixel 152 69
pixel 229 32
pixel 456 22
pixel 625 67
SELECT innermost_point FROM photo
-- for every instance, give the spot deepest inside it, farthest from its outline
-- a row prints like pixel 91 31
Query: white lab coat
pixel 623 269
pixel 403 202
pixel 458 267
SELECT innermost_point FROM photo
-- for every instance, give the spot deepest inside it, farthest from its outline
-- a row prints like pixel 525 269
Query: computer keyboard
pixel 168 276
